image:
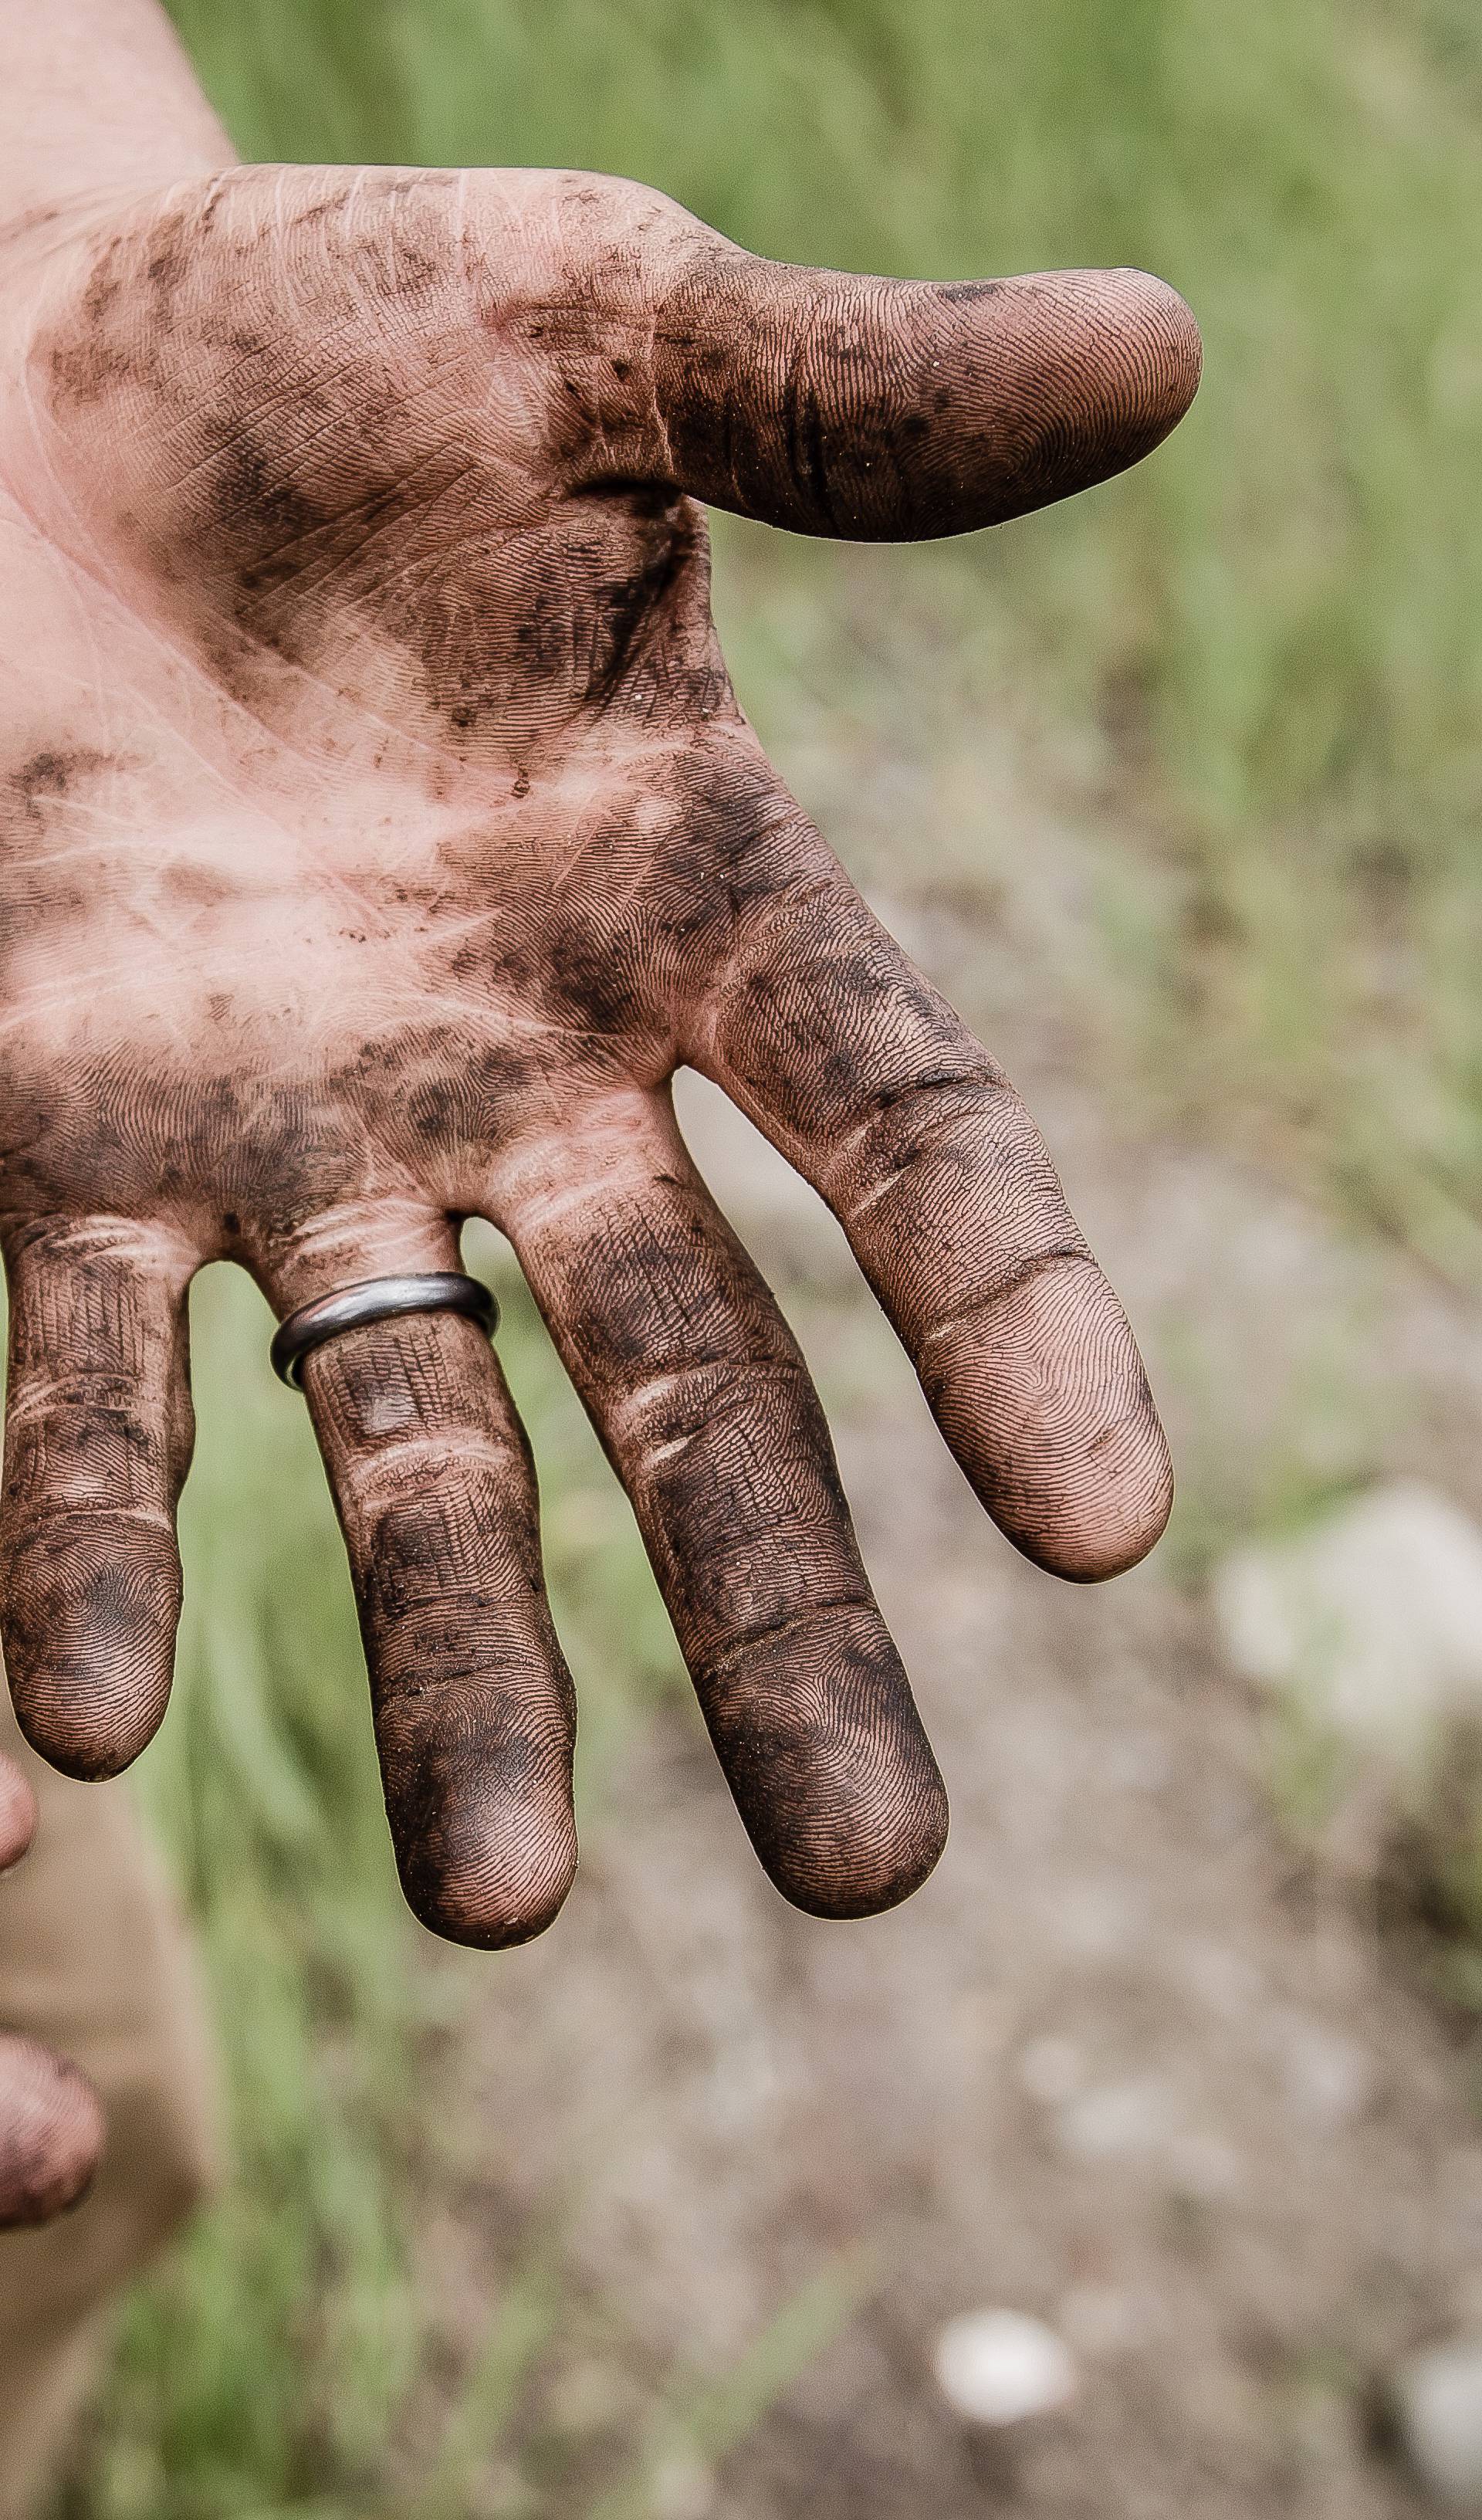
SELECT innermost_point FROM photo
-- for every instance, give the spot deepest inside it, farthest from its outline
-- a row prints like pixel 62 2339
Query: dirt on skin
pixel 1129 2061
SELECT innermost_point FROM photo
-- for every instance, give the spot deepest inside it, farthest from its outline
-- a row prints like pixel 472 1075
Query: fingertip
pixel 1092 1539
pixel 91 1746
pixel 889 1856
pixel 484 1906
pixel 52 2135
pixel 1168 349
pixel 476 1770
pixel 1080 374
pixel 1044 1398
pixel 88 1624
pixel 827 1758
pixel 488 1878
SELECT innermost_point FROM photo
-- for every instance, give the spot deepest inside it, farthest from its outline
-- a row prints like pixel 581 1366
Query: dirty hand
pixel 379 833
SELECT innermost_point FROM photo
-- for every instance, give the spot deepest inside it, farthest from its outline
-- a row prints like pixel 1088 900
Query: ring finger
pixel 473 1707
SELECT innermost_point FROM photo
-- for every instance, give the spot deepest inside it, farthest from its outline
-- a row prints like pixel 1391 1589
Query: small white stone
pixel 997 2366
pixel 1371 1621
pixel 1437 2397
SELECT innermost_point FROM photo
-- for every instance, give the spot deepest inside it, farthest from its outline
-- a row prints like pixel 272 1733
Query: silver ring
pixel 376 1299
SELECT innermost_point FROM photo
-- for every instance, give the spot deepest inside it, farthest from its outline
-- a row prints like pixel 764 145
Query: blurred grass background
pixel 1255 661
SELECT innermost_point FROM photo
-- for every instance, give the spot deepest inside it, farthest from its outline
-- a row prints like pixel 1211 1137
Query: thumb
pixel 886 409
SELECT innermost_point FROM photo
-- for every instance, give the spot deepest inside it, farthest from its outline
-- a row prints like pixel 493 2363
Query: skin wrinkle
pixel 898 1150
pixel 777 1630
pixel 416 839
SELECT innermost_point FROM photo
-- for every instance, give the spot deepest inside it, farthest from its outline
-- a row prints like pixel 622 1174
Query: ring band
pixel 376 1299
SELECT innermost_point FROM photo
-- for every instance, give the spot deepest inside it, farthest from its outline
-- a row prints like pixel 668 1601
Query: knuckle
pixel 667 1411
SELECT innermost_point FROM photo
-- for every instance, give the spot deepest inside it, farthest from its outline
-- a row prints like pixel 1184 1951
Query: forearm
pixel 94 92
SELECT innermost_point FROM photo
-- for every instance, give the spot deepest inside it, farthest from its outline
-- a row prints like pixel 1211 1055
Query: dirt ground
pixel 1129 2061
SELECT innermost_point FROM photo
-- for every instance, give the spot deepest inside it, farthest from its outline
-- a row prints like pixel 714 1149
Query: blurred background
pixel 1176 792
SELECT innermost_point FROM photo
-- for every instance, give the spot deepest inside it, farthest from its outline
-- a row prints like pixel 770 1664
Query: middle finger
pixel 705 1408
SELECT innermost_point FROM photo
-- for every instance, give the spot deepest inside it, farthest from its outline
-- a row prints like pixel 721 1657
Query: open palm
pixel 378 832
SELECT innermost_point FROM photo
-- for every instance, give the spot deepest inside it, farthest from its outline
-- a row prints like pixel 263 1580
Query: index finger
pixel 822 1030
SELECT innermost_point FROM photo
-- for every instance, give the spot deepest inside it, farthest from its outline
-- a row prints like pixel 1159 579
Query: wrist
pixel 96 97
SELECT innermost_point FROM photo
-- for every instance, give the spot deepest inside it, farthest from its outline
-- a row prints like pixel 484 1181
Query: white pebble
pixel 1371 1621
pixel 1438 2406
pixel 996 2367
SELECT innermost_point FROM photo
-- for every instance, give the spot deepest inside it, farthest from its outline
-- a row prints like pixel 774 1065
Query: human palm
pixel 378 832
